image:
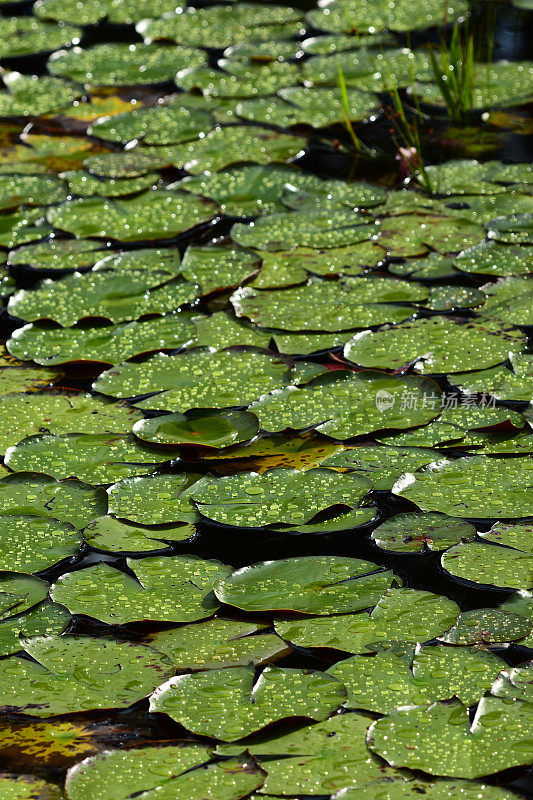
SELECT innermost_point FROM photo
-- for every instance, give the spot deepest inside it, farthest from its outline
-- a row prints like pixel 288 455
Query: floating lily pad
pixel 502 382
pixel 109 533
pixel 108 344
pixel 402 788
pixel 368 68
pixel 435 265
pixel 405 615
pixel 412 532
pixel 518 536
pixel 501 83
pixel 19 535
pixel 178 772
pixel 246 704
pixel 116 296
pixel 492 258
pixel 482 563
pixel 415 234
pixel 17 227
pixel 69 501
pixel 96 458
pixel 328 306
pixel 435 345
pixel 166 215
pixel 33 190
pixel 238 80
pixel 24 378
pixel 155 500
pixel 46 619
pixel 289 268
pixel 443 742
pixel 26 35
pixel 89 12
pixel 487 626
pixel 509 300
pixel 450 298
pixel 474 487
pixel 219 330
pixel 30 96
pixel 381 465
pixel 345 404
pixel 196 379
pixel 215 268
pixel 305 344
pixel 177 589
pixel 200 428
pixel 20 592
pixel 79 673
pixel 514 229
pixel 347 16
pixel 122 64
pixel 310 585
pixel 221 26
pixel 218 643
pixel 84 185
pixel 515 683
pixel 28 787
pixel 23 415
pixel 57 255
pixel 167 123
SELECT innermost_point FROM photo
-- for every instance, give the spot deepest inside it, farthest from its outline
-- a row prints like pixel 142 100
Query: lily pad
pixel 435 345
pixel 246 704
pixel 122 64
pixel 509 300
pixel 291 267
pixel 166 215
pixel 482 563
pixel 502 382
pixel 23 415
pixel 518 536
pixel 310 585
pixel 485 626
pixel 28 787
pixel 167 123
pixel 19 592
pixel 25 378
pixel 415 234
pixel 443 742
pixel 500 83
pixel 23 36
pixel 177 589
pixel 218 643
pixel 79 673
pixel 33 190
pixel 347 16
pixel 109 533
pixel 513 229
pixel 69 501
pixel 89 12
pixel 109 344
pixel 199 428
pixel 219 330
pixel 173 773
pixel 488 488
pixel 85 185
pixel 196 379
pixel 19 535
pixel 345 404
pixel 515 683
pixel 215 268
pixel 96 458
pixel 116 296
pixel 31 96
pixel 492 258
pixel 381 465
pixel 413 533
pixel 156 499
pixel 368 68
pixel 46 619
pixel 57 255
pixel 236 80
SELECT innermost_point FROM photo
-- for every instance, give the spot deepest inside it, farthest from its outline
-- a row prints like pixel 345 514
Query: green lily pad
pixel 492 258
pixel 17 227
pixel 405 615
pixel 514 683
pixel 470 177
pixel 148 259
pixel 487 626
pixel 200 428
pixel 155 500
pixel 341 521
pixel 30 96
pixel 251 52
pixel 415 234
pixel 221 26
pixel 196 379
pixel 46 619
pixel 33 190
pixel 279 495
pixel 89 12
pixel 79 673
pixel 23 36
pixel 109 344
pixel 310 585
pixel 233 144
pixel 344 404
pixel 388 680
pixel 246 704
pixel 435 345
pixel 57 541
pixel 519 537
pixel 61 255
pixel 27 414
pixel 167 123
pixel 305 344
pixel 128 164
pixel 381 465
pixel 109 533
pixel 482 209
pixel 28 787
pixel 172 773
pixel 337 43
pixel 488 487
pixel 20 592
pixel 413 533
pixel 509 300
pixel 435 265
pixel 117 296
pixel 218 643
pixel 237 80
pixel 328 306
pixel 219 331
pixel 315 229
pixel 514 229
pixel 25 378
pixel 368 68
pixel 166 215
pixel 122 64
pixel 35 494
pixel 177 589
pixel 500 83
pixel 215 268
pixel 501 382
pixel 402 788
pixel 450 298
pixel 84 185
pixel 482 563
pixel 347 16
pixel 443 742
